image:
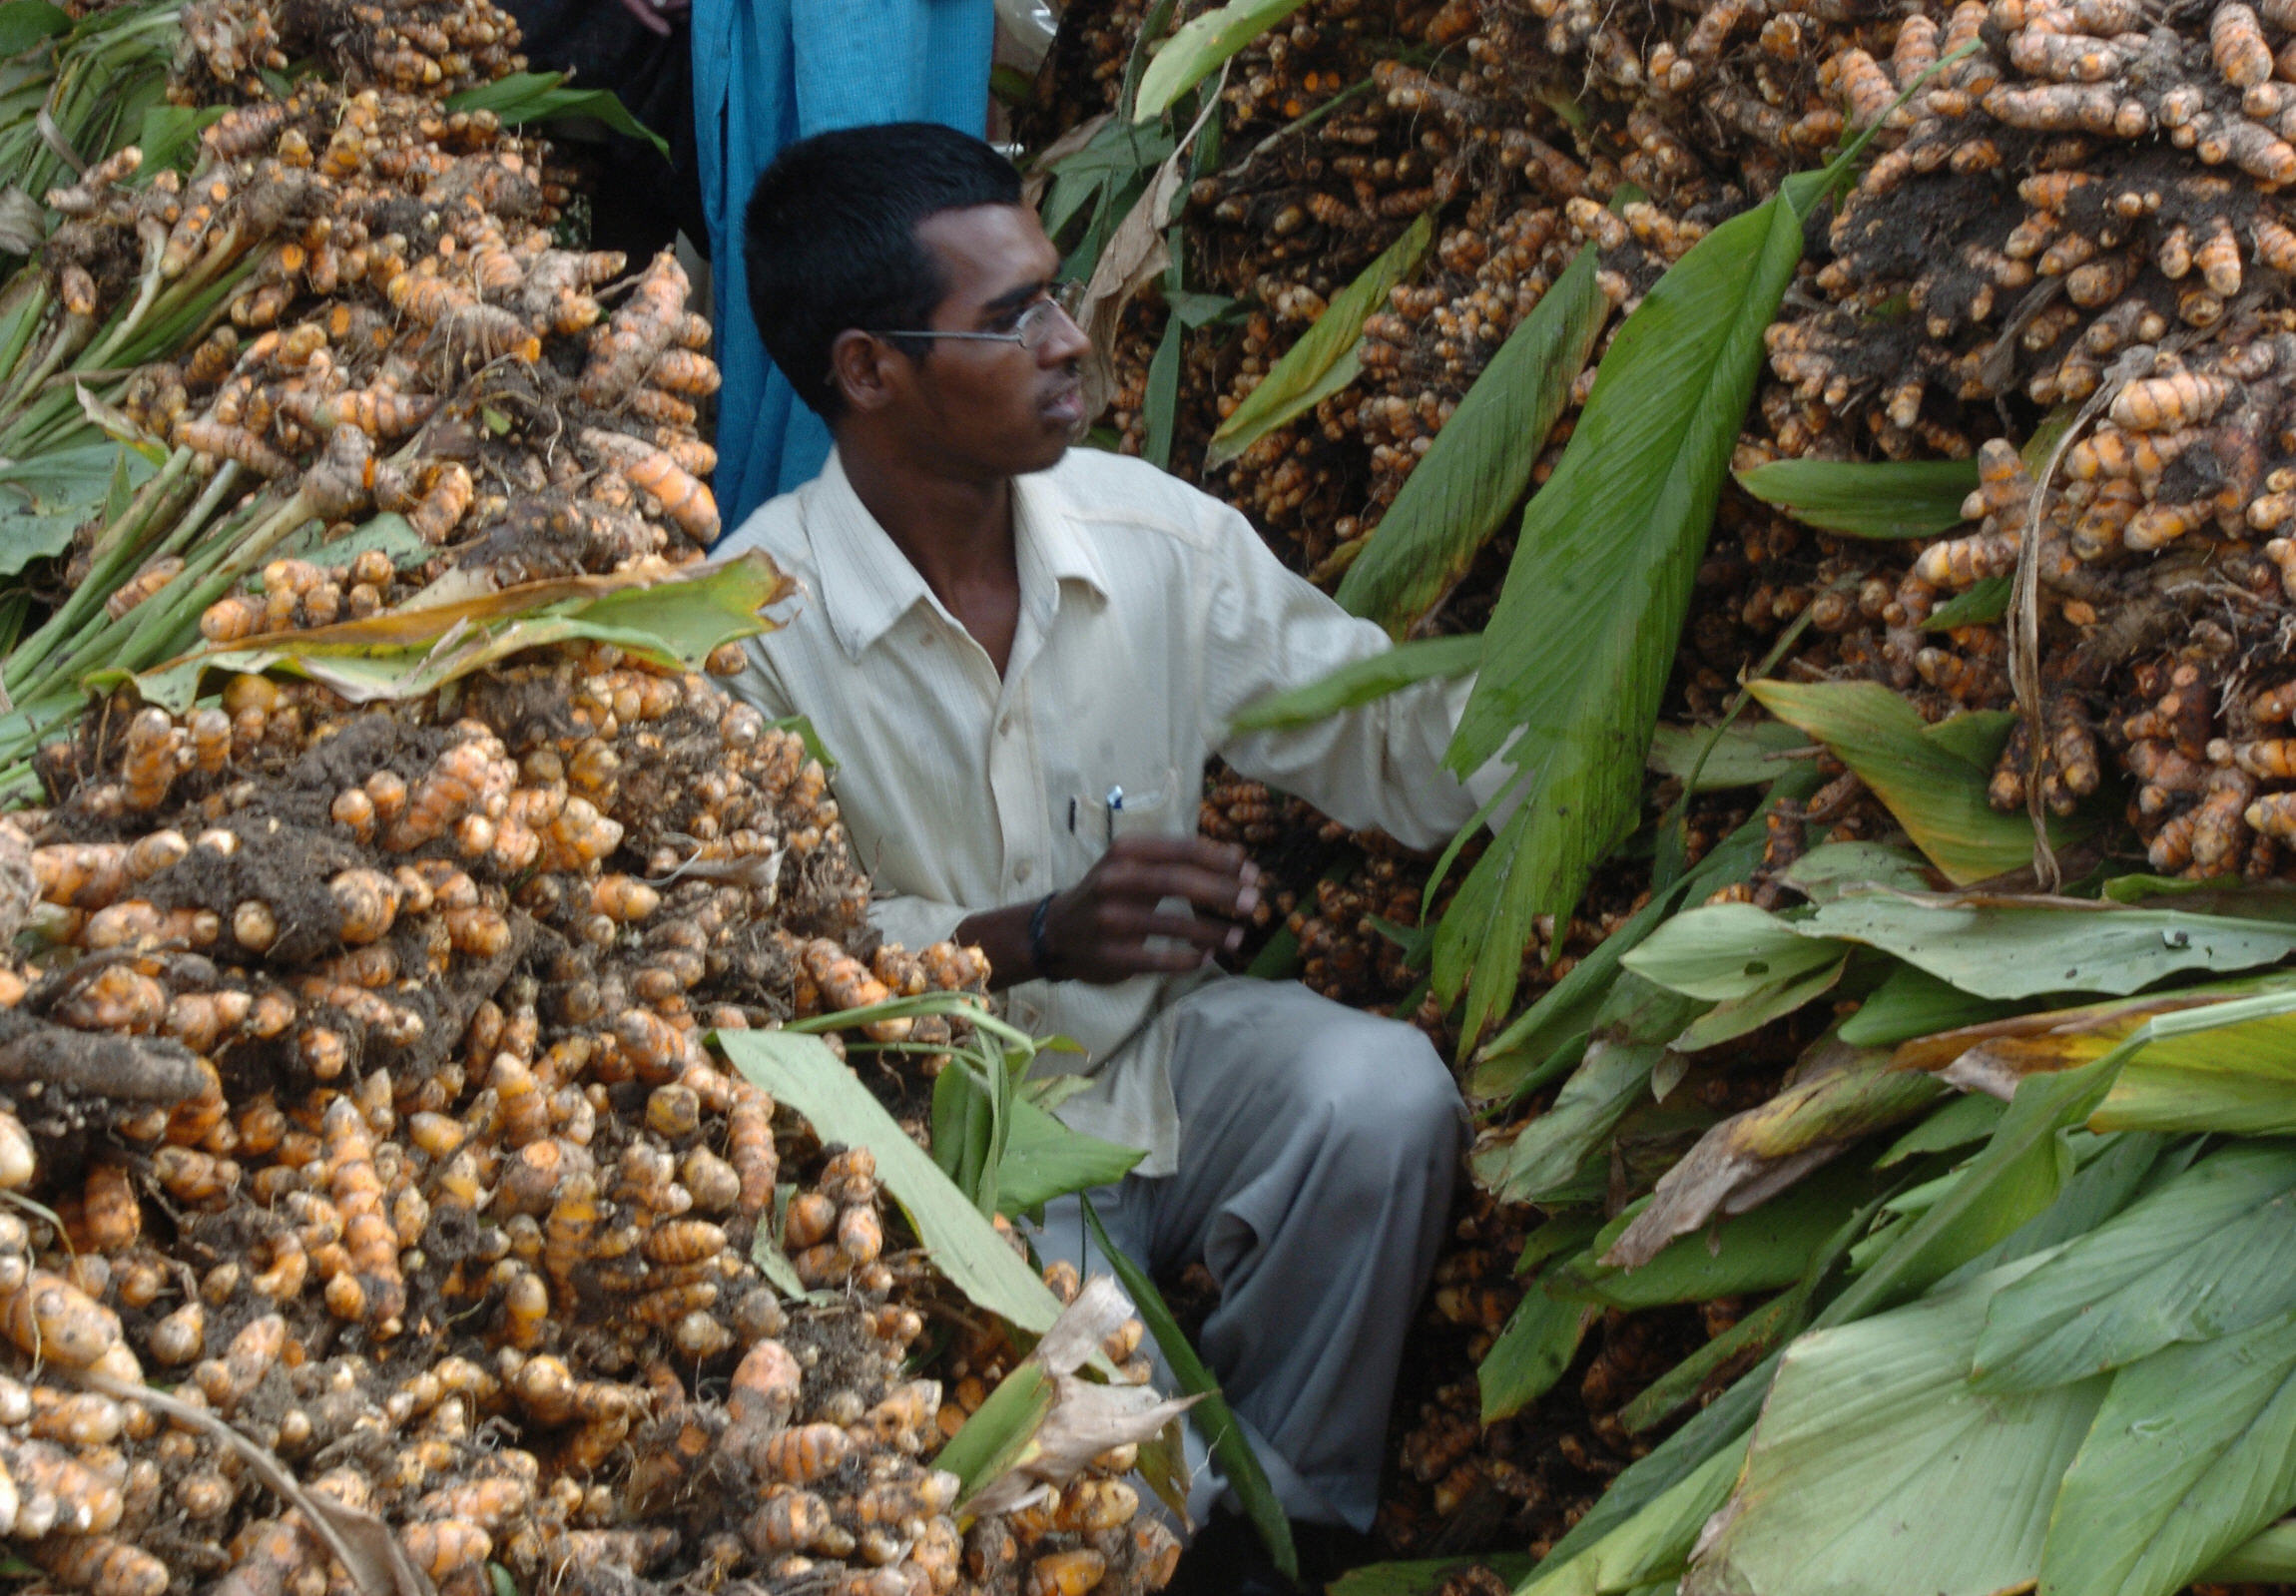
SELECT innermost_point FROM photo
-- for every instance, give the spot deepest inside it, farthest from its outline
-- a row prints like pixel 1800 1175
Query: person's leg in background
pixel 639 198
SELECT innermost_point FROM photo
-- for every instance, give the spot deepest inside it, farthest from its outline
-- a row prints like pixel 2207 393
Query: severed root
pixel 19 883
pixel 97 1064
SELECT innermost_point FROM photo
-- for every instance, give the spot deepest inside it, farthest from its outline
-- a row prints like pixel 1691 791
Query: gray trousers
pixel 1318 1147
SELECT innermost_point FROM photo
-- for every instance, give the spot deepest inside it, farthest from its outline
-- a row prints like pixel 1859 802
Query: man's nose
pixel 1067 343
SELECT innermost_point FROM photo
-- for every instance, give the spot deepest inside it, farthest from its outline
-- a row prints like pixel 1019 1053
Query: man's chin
pixel 1049 454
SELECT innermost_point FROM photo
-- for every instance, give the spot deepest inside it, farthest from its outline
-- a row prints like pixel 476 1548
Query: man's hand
pixel 1099 929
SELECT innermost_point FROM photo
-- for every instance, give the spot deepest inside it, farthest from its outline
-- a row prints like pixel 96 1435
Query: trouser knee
pixel 1392 1094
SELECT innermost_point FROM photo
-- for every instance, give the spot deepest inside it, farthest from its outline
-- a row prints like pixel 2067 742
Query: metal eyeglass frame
pixel 1029 332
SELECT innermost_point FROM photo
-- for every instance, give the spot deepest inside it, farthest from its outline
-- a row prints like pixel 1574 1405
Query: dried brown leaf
pixel 1842 1093
pixel 1040 173
pixel 1134 256
pixel 1086 1417
pixel 1098 1310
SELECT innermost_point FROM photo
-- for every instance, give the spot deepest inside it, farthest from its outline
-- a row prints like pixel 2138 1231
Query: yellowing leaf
pixel 1867 499
pixel 1938 796
pixel 673 618
pixel 1323 361
pixel 1844 1094
pixel 1479 465
pixel 2216 1058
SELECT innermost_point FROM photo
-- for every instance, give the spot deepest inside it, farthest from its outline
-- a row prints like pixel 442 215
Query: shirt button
pixel 1020 871
pixel 1004 727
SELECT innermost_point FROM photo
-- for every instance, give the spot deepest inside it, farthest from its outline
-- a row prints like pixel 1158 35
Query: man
pixel 1023 656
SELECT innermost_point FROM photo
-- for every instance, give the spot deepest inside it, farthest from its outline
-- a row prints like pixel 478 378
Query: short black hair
pixel 831 242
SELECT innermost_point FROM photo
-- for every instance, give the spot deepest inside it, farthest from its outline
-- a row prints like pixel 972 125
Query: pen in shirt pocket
pixel 1123 810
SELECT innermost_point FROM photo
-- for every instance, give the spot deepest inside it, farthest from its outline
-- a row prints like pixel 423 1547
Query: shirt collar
pixel 868 584
pixel 1046 522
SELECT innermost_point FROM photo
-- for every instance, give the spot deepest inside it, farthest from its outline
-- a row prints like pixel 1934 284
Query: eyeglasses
pixel 1031 330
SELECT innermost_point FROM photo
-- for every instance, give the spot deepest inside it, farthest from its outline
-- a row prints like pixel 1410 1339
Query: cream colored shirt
pixel 1149 614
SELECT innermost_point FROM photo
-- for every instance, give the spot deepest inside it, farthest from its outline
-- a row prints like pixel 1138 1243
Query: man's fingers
pixel 1199 850
pixel 1223 893
pixel 1110 919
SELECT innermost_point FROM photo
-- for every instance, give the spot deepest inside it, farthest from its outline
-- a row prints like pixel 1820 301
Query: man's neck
pixel 957 534
pixel 954 531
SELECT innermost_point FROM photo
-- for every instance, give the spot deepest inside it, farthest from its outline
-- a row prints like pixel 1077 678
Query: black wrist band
pixel 1039 956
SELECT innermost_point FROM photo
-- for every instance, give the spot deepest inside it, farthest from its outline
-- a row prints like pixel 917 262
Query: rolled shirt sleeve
pixel 1377 765
pixel 913 921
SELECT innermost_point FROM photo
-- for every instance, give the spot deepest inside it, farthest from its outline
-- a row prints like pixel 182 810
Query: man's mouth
pixel 1066 404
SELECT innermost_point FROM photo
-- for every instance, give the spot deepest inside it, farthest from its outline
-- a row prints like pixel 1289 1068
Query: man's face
pixel 993 409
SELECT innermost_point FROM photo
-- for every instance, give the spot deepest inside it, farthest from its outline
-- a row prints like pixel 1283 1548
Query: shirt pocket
pixel 1144 804
pixel 1153 805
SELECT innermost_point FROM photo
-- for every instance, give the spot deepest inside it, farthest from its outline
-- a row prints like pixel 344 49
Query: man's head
pixel 858 238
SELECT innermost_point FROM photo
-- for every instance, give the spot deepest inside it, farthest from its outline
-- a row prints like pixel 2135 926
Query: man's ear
pixel 867 372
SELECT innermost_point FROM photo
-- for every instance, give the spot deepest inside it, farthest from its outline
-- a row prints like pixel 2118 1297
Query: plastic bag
pixel 1025 28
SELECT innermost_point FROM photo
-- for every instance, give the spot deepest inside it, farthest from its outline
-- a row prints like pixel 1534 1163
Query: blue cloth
pixel 768 73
